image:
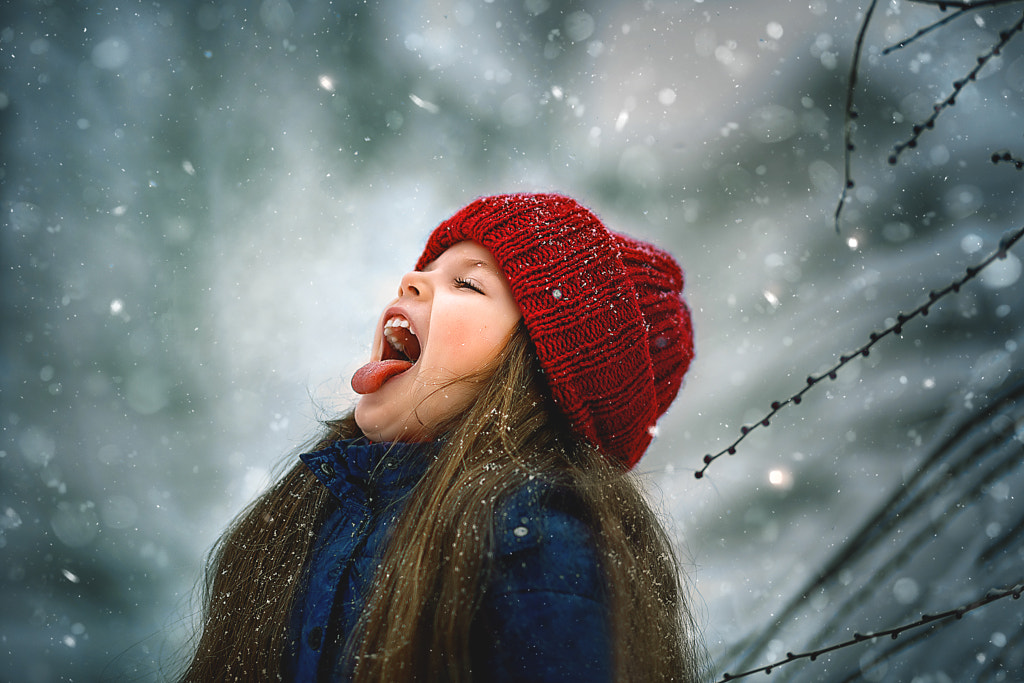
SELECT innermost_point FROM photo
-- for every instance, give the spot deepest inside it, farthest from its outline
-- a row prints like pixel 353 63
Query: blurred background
pixel 205 206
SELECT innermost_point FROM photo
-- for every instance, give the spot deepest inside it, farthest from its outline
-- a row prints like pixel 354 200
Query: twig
pixel 894 633
pixel 943 5
pixel 919 128
pixel 850 113
pixel 926 30
pixel 1005 243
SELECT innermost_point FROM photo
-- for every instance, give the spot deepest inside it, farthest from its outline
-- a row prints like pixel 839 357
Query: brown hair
pixel 417 619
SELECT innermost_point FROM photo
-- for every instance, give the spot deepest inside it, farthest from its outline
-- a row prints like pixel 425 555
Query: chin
pixel 377 432
pixel 366 426
pixel 371 429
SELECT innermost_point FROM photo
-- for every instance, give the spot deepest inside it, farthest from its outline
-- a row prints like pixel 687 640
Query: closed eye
pixel 462 283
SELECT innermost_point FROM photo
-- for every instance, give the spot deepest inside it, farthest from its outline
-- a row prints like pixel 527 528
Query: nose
pixel 414 284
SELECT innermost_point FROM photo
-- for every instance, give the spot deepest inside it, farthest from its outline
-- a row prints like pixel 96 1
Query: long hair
pixel 417 618
pixel 254 571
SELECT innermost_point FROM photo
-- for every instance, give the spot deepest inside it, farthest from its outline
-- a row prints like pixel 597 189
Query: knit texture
pixel 605 311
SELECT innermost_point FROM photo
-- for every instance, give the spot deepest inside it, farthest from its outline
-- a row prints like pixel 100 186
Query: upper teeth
pixel 397 322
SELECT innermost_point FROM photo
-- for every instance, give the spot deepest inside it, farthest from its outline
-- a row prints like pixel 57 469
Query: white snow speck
pixel 424 104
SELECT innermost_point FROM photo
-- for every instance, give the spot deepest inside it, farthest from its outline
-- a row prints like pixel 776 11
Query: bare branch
pixel 958 85
pixel 926 30
pixel 1005 243
pixel 958 613
pixel 943 5
pixel 850 113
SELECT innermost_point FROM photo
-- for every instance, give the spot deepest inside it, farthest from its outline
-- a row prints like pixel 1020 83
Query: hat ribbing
pixel 604 311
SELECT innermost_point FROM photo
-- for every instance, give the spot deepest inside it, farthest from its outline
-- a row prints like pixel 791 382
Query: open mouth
pixel 402 343
pixel 401 351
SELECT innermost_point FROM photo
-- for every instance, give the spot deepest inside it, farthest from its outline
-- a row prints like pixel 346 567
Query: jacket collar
pixel 380 468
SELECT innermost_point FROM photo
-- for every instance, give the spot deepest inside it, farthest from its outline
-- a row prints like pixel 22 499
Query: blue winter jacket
pixel 543 616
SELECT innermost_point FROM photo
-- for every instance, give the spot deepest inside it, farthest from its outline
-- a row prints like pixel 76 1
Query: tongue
pixel 372 376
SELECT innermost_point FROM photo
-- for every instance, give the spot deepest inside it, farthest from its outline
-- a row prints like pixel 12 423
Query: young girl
pixel 473 518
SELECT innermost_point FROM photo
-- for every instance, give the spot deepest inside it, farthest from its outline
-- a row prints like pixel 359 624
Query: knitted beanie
pixel 604 311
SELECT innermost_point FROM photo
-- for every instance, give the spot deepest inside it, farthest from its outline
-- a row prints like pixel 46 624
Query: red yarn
pixel 604 311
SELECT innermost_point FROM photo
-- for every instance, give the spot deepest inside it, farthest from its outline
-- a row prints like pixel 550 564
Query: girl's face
pixel 448 322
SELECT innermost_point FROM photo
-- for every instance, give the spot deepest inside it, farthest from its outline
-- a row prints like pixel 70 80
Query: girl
pixel 473 518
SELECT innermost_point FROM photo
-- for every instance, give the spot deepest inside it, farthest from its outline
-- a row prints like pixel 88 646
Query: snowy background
pixel 206 204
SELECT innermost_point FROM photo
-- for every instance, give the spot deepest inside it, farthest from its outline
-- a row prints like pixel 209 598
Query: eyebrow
pixel 467 263
pixel 473 263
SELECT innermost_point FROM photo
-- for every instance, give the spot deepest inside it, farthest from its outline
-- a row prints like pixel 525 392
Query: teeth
pixel 397 322
pixel 392 338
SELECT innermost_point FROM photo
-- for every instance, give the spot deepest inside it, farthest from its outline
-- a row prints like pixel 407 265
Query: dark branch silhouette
pixel 943 5
pixel 958 85
pixel 927 29
pixel 934 296
pixel 850 113
pixel 962 9
pixel 919 128
pixel 894 633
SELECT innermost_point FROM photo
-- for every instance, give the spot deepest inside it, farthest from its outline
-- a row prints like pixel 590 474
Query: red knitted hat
pixel 604 311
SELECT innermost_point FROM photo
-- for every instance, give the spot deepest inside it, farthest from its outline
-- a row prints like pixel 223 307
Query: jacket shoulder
pixel 543 540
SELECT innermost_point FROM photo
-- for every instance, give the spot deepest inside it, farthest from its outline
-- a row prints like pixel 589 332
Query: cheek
pixel 470 346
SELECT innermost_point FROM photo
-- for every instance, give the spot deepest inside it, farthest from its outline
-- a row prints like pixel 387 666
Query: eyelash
pixel 461 283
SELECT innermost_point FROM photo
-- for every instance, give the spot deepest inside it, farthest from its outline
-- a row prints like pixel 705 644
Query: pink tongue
pixel 372 376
